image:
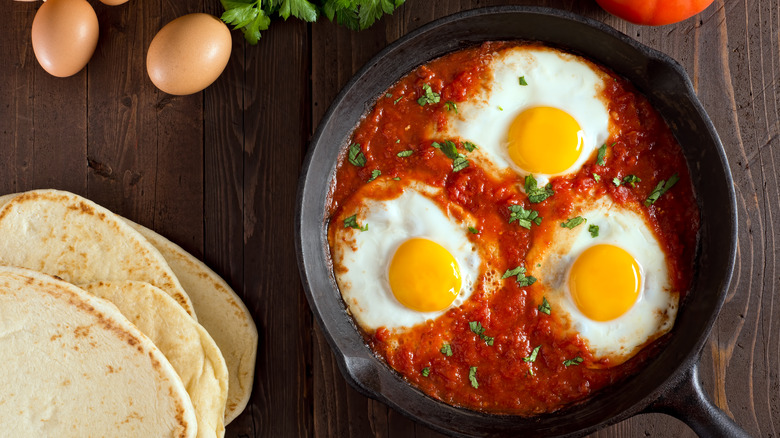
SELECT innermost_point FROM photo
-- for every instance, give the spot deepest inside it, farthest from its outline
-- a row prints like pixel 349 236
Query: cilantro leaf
pixel 459 164
pixel 522 279
pixel 616 181
pixel 631 180
pixel 473 377
pixel 404 154
pixel 426 371
pixel 450 105
pixel 569 362
pixel 446 350
pixel 469 146
pixel 537 194
pixel 429 97
pixel 477 328
pixel 533 355
pixel 524 217
pixel 596 177
pixel 573 222
pixel 545 306
pixel 593 230
pixel 374 173
pixel 356 157
pixel 450 149
pixel 522 81
pixel 602 153
pixel 661 188
pixel 473 230
pixel 351 222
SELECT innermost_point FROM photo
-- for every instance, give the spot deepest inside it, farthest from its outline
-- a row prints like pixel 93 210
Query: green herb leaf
pixel 661 188
pixel 537 194
pixel 469 146
pixel 616 181
pixel 500 109
pixel 449 148
pixel 477 328
pixel 388 95
pixel 473 377
pixel 404 154
pixel 631 180
pixel 429 97
pixel 356 157
pixel 532 357
pixel 573 222
pixel 358 14
pixel 351 222
pixel 522 279
pixel 395 102
pixel 512 272
pixel 247 15
pixel 545 306
pixel 374 173
pixel 593 230
pixel 522 81
pixel 602 153
pixel 596 177
pixel 524 217
pixel 459 164
pixel 569 362
pixel 450 105
pixel 426 371
pixel 397 179
pixel 446 350
pixel 473 230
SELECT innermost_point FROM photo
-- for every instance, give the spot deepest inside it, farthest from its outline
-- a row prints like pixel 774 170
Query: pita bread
pixel 62 234
pixel 73 366
pixel 221 312
pixel 186 345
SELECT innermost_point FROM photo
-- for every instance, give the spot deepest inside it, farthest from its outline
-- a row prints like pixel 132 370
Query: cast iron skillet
pixel 669 383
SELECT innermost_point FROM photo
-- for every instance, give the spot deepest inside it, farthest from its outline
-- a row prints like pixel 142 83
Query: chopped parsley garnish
pixel 374 173
pixel 426 371
pixel 397 100
pixel 593 230
pixel 616 181
pixel 522 81
pixel 524 217
pixel 351 222
pixel 631 180
pixel 532 357
pixel 429 96
pixel 537 194
pixel 388 95
pixel 545 306
pixel 661 188
pixel 469 146
pixel 473 230
pixel 450 149
pixel 446 350
pixel 601 155
pixel 597 177
pixel 569 362
pixel 397 179
pixel 356 157
pixel 404 154
pixel 477 328
pixel 451 106
pixel 573 222
pixel 398 141
pixel 473 377
pixel 522 279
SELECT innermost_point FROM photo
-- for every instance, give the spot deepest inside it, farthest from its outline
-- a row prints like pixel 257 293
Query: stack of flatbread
pixel 109 329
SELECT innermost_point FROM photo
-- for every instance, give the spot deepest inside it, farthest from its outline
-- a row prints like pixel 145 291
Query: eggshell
pixel 188 54
pixel 113 2
pixel 64 36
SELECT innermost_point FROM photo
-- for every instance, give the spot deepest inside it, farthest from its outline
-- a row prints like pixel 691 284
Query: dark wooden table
pixel 217 173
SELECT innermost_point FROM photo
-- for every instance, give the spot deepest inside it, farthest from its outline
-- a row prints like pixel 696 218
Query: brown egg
pixel 113 2
pixel 188 54
pixel 64 36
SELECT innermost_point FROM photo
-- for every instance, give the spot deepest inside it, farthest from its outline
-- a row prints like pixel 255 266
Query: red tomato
pixel 654 12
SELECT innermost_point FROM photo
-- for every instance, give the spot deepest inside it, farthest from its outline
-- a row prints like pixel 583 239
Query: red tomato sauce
pixel 640 144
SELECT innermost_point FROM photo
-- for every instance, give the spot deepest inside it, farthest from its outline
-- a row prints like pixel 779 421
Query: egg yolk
pixel 424 276
pixel 544 140
pixel 604 282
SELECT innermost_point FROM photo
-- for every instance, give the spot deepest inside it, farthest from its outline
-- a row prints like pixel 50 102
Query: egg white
pixel 651 316
pixel 554 79
pixel 363 257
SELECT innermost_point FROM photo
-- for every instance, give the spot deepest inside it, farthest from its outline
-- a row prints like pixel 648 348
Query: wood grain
pixel 217 173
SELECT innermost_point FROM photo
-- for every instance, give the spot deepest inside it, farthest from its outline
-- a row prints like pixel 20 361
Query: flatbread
pixel 221 312
pixel 186 345
pixel 73 366
pixel 62 234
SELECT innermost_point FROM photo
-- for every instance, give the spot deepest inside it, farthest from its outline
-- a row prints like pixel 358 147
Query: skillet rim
pixel 361 370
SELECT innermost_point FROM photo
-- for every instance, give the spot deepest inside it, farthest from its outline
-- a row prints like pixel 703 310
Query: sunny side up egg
pixel 606 280
pixel 540 112
pixel 403 261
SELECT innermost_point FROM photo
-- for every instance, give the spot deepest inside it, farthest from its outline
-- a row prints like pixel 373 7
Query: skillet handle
pixel 687 401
